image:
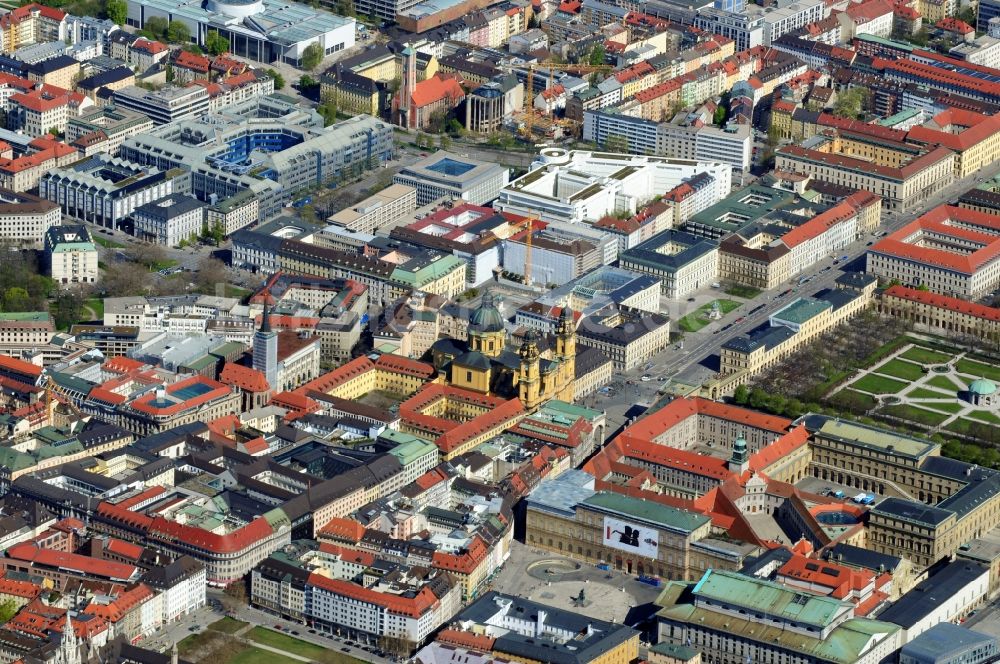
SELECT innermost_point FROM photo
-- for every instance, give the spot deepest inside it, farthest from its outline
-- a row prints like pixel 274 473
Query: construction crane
pixel 529 95
pixel 51 387
pixel 528 223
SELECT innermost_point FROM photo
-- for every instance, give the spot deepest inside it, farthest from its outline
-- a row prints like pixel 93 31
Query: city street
pixel 199 620
pixel 694 363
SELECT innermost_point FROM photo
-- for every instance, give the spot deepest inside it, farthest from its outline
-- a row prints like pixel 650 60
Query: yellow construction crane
pixel 50 403
pixel 528 223
pixel 529 95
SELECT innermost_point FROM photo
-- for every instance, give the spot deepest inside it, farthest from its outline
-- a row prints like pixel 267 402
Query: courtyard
pixel 703 315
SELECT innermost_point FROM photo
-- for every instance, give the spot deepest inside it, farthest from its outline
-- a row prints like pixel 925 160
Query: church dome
pixel 982 387
pixel 486 318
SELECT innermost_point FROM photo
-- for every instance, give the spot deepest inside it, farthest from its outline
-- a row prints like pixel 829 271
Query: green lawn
pixel 925 356
pixel 163 265
pixel 923 393
pixel 228 625
pixel 746 292
pixel 983 416
pixel 965 426
pixel 107 244
pixel 943 406
pixel 944 382
pixel 853 400
pixel 901 369
pixel 261 656
pixel 978 369
pixel 96 305
pixel 298 647
pixel 878 385
pixel 698 319
pixel 919 415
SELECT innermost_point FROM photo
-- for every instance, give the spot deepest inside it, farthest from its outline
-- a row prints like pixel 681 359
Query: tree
pixel 68 307
pixel 851 103
pixel 306 82
pixel 719 118
pixel 54 131
pixel 741 394
pixel 147 254
pixel 117 11
pixel 168 71
pixel 279 80
pixel 455 127
pixel 215 43
pixel 312 56
pixel 7 610
pixel 157 27
pixel 597 54
pixel 329 112
pixel 920 37
pixel 616 144
pixel 193 48
pixel 212 275
pixel 16 298
pixel 178 32
pixel 444 142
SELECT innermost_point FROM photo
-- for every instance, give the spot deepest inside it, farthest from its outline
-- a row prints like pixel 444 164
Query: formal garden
pixel 877 371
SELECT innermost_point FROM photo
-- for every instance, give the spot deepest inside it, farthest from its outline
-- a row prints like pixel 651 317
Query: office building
pixel 104 190
pixel 681 261
pixel 169 220
pixel 626 336
pixel 947 595
pixel 168 104
pixel 580 186
pixel 104 129
pixel 558 255
pixel 378 210
pixel 25 219
pixel 941 314
pixel 451 177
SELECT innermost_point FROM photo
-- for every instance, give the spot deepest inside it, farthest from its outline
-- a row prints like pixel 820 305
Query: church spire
pixel 265 323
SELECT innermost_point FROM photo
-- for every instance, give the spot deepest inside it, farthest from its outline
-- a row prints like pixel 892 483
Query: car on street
pixel 345 649
pixel 646 378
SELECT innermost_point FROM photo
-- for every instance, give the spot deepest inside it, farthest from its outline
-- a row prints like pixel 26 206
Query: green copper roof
pixel 647 510
pixel 982 387
pixel 802 310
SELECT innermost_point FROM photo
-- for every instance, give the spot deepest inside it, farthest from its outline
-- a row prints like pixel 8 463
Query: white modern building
pixel 579 186
pixel 452 177
pixel 261 30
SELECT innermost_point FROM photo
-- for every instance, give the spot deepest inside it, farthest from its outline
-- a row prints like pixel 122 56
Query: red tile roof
pixel 124 549
pixel 412 607
pixel 148 46
pixel 14 365
pixel 478 642
pixel 31 553
pixel 944 302
pixel 862 12
pixel 247 379
pixel 342 529
pixel 952 24
pixel 941 222
pixel 819 224
pixel 192 61
pixel 348 554
pixel 435 89
pixel 160 529
pixel 18 588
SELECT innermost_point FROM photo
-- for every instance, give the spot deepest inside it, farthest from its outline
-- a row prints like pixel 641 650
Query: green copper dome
pixel 486 318
pixel 982 387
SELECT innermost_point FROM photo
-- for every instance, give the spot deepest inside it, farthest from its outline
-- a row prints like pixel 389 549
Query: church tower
pixel 529 379
pixel 69 647
pixel 566 354
pixel 486 328
pixel 265 351
pixel 407 87
pixel 739 462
